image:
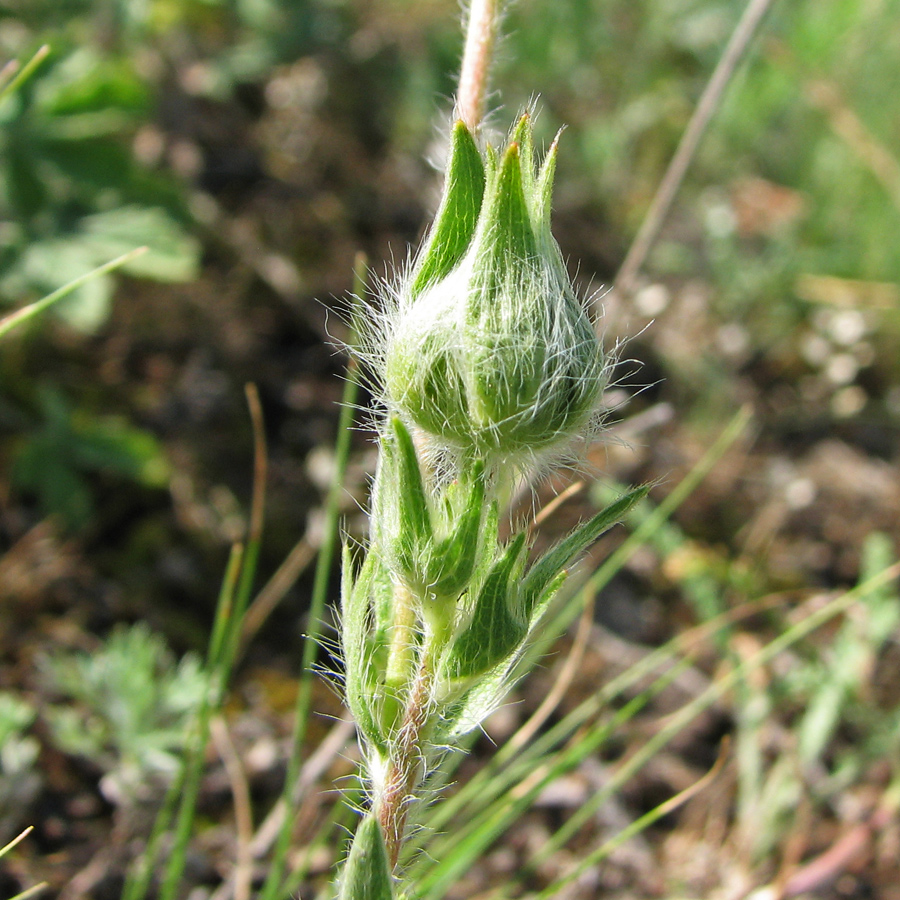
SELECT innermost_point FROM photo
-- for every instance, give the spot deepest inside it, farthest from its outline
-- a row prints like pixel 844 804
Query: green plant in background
pixel 19 779
pixel 132 706
pixel 490 366
pixel 52 460
pixel 72 195
pixel 35 889
pixel 483 381
pixel 831 688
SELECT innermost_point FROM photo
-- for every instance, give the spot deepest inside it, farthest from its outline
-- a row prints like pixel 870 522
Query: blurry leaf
pixel 65 160
pixel 112 445
pixel 15 716
pixel 53 461
pixel 27 193
pixel 91 163
pixel 84 81
pixel 42 469
pixel 133 704
pixel 171 254
pixel 48 265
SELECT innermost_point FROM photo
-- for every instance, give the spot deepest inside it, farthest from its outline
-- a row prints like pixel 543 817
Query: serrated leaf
pixel 367 872
pixel 555 560
pixel 494 632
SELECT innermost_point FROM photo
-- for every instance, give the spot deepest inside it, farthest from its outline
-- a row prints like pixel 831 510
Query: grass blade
pixel 274 885
pixel 7 323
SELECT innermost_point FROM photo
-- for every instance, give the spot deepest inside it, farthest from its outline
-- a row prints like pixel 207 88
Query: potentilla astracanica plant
pixel 489 365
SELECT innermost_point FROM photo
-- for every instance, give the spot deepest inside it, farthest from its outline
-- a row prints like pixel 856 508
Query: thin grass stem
pixel 638 826
pixel 520 796
pixel 7 323
pixel 18 76
pixel 676 722
pixel 754 13
pixel 137 882
pixel 274 887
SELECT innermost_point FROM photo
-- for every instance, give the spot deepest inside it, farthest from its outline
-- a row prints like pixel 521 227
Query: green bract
pixel 492 354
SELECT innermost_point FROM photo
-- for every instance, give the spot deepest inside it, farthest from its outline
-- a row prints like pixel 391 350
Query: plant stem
pixel 273 887
pixel 481 32
pixel 407 764
pixel 709 102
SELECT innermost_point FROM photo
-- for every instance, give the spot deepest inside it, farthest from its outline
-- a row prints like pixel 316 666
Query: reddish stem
pixel 479 49
pixel 407 763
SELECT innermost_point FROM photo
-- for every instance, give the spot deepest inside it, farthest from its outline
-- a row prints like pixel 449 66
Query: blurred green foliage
pixel 19 779
pixel 799 172
pixel 71 195
pixel 787 209
pixel 131 706
pixel 54 458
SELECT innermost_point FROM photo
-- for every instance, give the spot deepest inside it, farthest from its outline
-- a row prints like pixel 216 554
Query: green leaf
pixel 367 872
pixel 7 323
pixel 358 650
pixel 171 255
pixel 87 82
pixel 524 137
pixel 543 573
pixel 495 632
pixel 544 190
pixel 457 215
pixel 475 704
pixel 41 467
pixel 113 446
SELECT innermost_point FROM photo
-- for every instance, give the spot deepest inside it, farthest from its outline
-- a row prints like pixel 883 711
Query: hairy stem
pixel 481 31
pixel 407 763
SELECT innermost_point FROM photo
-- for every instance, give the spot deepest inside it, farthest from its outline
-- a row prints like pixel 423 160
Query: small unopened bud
pixel 492 354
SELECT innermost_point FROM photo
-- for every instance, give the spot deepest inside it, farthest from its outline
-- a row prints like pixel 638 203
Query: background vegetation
pixel 256 146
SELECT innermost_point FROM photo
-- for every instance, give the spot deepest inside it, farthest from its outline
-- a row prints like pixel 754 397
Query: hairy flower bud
pixel 492 354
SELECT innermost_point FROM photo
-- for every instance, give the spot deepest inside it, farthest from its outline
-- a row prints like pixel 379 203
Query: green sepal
pixel 543 573
pixel 360 671
pixel 413 529
pixel 457 215
pixel 367 872
pixel 453 562
pixel 524 137
pixel 505 235
pixel 474 704
pixel 495 632
pixel 543 194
